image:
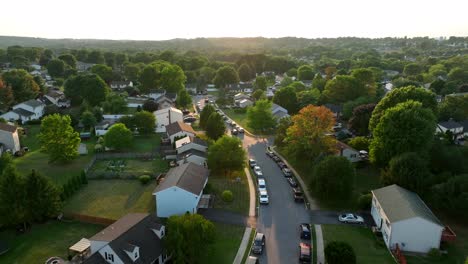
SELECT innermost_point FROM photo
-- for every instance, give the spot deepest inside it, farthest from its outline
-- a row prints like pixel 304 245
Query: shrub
pixel 337 252
pixel 364 201
pixel 434 253
pixel 84 179
pixel 144 179
pixel 227 196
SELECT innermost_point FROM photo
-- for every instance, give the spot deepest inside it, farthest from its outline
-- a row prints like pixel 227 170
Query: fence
pixel 91 219
pixel 127 155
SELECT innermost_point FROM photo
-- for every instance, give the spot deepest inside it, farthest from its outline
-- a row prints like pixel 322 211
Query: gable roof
pixel 167 110
pixel 334 108
pixel 7 128
pixel 118 228
pixel 450 124
pixel 189 176
pixel 275 108
pixel 22 112
pixel 33 103
pixel 188 139
pixel 401 204
pixel 341 145
pixel 190 152
pixel 178 126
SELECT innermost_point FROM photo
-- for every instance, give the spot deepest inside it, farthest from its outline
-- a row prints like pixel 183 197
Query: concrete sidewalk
pixel 243 246
pixel 319 246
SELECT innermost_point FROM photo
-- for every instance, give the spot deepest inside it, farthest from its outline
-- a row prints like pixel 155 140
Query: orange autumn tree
pixel 307 138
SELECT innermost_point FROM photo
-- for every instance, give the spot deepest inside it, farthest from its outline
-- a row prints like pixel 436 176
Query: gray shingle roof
pixel 33 103
pixel 450 124
pixel 400 204
pixel 191 152
pixel 23 112
pixel 189 176
pixel 199 141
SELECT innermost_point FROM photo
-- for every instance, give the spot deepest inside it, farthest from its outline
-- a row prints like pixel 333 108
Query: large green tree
pixel 407 127
pixel 215 127
pixel 308 97
pixel 118 137
pixel 42 199
pixel 366 78
pixel 114 104
pixel 88 119
pixel 12 193
pixel 260 83
pixel 259 117
pixel 455 107
pixel 245 72
pixel 132 71
pixel 305 72
pixel 333 178
pixel 145 122
pixel 452 195
pixel 103 71
pixel 287 98
pixel 224 76
pixel 88 87
pixel 205 114
pixel 164 75
pixel 6 95
pixel 281 131
pixel 343 88
pixel 359 122
pixel 58 139
pixel 56 68
pixel 318 82
pixel 226 155
pixel 22 84
pixel 184 99
pixel 69 60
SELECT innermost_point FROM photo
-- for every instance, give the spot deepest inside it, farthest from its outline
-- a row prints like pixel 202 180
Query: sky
pixel 168 19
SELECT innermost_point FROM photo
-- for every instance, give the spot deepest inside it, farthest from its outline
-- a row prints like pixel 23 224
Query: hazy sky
pixel 167 19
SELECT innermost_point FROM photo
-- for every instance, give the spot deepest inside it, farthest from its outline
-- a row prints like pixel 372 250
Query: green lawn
pixel 133 167
pixel 44 241
pixel 146 143
pixel 226 244
pixel 240 190
pixel 239 118
pixel 364 243
pixel 112 198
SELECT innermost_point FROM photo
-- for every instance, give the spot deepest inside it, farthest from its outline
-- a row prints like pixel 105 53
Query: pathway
pixel 319 246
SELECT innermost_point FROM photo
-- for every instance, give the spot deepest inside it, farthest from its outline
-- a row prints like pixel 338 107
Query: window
pixel 136 255
pixel 353 155
pixel 162 232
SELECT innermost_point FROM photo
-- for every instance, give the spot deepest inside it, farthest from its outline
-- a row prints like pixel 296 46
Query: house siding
pixel 381 220
pixel 351 155
pixel 175 201
pixel 10 140
pixel 165 117
pixel 416 235
pixel 181 134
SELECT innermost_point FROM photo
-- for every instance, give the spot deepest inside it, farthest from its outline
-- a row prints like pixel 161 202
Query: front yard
pixel 226 244
pixel 239 118
pixel 366 247
pixel 112 198
pixel 44 241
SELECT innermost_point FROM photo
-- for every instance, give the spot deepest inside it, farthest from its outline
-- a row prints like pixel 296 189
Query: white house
pixel 192 156
pixel 178 130
pixel 188 143
pixel 240 96
pixel 25 111
pixel 245 103
pixel 405 220
pixel 166 101
pixel 180 191
pixel 120 85
pixel 279 112
pixel 134 238
pixel 167 116
pixel 9 138
pixel 83 66
pixel 452 126
pixel 348 152
pixel 57 98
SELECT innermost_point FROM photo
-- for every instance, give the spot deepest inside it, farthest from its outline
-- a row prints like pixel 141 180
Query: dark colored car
pixel 305 230
pixel 292 182
pixel 185 112
pixel 190 119
pixel 276 158
pixel 305 253
pixel 234 131
pixel 252 163
pixel 282 165
pixel 258 243
pixel 298 195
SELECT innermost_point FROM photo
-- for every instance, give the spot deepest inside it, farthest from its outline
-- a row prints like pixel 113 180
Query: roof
pixel 199 141
pixel 334 108
pixel 179 143
pixel 118 228
pixel 22 112
pixel 189 176
pixel 7 128
pixel 33 103
pixel 280 114
pixel 464 124
pixel 400 204
pixel 190 152
pixel 171 96
pixel 450 124
pixel 178 126
pixel 341 145
pixel 275 108
pixel 158 91
pixel 80 246
pixel 244 101
pixel 120 83
pixel 165 110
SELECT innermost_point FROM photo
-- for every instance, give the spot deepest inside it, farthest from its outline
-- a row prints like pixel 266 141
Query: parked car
pixel 281 164
pixel 252 260
pixel 287 172
pixel 225 118
pixel 258 243
pixel 276 158
pixel 234 131
pixel 190 119
pixel 305 253
pixel 229 121
pixel 298 195
pixel 292 182
pixel 263 196
pixel 233 124
pixel 258 171
pixel 269 153
pixel 241 130
pixel 261 185
pixel 304 230
pixel 351 218
pixel 185 112
pixel 252 163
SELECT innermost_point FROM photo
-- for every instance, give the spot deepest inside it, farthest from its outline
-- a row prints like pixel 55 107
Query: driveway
pixel 331 217
pixel 227 217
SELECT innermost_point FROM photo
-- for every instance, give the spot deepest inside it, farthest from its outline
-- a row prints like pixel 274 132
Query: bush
pixel 240 110
pixel 144 179
pixel 337 252
pixel 434 253
pixel 364 201
pixel 359 143
pixel 227 196
pixel 333 178
pixel 84 179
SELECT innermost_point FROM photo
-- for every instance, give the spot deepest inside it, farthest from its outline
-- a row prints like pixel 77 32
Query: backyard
pixel 44 240
pixel 127 168
pixel 367 248
pixel 239 118
pixel 226 244
pixel 112 198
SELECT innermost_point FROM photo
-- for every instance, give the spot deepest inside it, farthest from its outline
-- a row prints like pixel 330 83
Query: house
pixel 83 66
pixel 452 126
pixel 35 67
pixel 178 130
pixel 234 88
pixel 335 109
pixel 464 123
pixel 181 190
pixel 192 156
pixel 244 103
pixel 279 112
pixel 405 220
pixel 188 143
pixel 191 88
pixel 167 116
pixel 107 121
pixel 246 87
pixel 240 96
pixel 57 98
pixel 348 152
pixel 9 138
pixel 134 238
pixel 25 111
pixel 156 93
pixel 120 85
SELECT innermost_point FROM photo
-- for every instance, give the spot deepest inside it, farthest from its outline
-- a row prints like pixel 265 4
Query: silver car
pixel 351 218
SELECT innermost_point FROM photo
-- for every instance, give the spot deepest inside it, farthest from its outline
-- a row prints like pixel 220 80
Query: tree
pixel 145 122
pixel 88 87
pixel 298 86
pixel 366 78
pixel 5 160
pixel 306 137
pixel 184 99
pixel 281 131
pixel 6 95
pixel 359 143
pixel 286 97
pixel 226 155
pixel 455 107
pixel 260 83
pixel 259 117
pixel 458 75
pixel 58 139
pixel 114 104
pixel 333 177
pixel 305 72
pixel 308 97
pixel 359 122
pixel 12 193
pixel 103 71
pixel 42 200
pixel 188 237
pixel 412 69
pixel 224 76
pixel 205 114
pixel 258 95
pixel 69 60
pixel 215 127
pixel 88 119
pixel 245 73
pixel 205 76
pixel 22 84
pixel 342 89
pixel 452 195
pixel 150 106
pixel 318 82
pixel 118 137
pixel 337 252
pixel 401 95
pixel 292 72
pixel 56 68
pixel 132 71
pixel 163 75
pixel 407 127
pixel 95 57
pixel 408 170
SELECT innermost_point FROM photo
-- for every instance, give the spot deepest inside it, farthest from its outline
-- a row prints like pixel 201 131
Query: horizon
pixel 245 19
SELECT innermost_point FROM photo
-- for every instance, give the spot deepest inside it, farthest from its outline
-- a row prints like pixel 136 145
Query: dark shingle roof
pixel 118 228
pixel 33 103
pixel 23 112
pixel 171 96
pixel 189 176
pixel 199 141
pixel 450 124
pixel 401 204
pixel 178 126
pixel 189 152
pixel 334 108
pixel 7 127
